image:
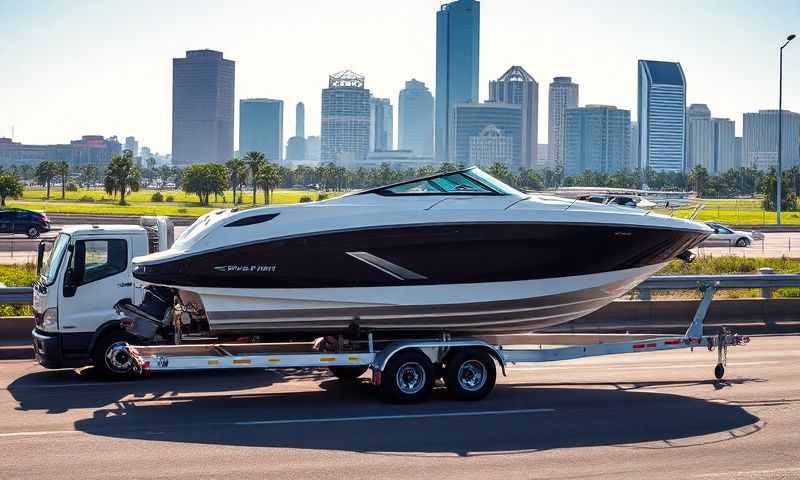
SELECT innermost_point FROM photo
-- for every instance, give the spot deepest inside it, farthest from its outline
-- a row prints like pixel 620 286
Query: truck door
pixel 98 276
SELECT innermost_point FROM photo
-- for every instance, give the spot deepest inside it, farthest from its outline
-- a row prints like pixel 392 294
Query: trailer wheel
pixel 470 374
pixel 114 365
pixel 347 373
pixel 408 377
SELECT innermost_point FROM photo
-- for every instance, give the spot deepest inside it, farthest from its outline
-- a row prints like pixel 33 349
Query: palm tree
pixel 62 170
pixel 121 175
pixel 45 173
pixel 237 175
pixel 254 160
pixel 269 176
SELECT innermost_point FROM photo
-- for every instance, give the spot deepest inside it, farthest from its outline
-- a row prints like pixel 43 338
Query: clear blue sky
pixel 104 67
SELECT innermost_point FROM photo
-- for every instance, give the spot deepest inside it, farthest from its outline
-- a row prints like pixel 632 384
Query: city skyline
pixel 128 93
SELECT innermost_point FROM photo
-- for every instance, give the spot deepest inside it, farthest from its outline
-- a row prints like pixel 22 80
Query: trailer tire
pixel 408 377
pixel 347 373
pixel 470 374
pixel 117 368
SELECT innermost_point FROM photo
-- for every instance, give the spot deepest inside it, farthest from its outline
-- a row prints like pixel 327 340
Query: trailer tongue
pixel 406 370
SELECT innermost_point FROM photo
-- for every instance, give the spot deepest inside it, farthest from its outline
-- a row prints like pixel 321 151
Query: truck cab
pixel 86 271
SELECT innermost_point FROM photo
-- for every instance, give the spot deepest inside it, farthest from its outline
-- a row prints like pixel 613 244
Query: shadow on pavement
pixel 586 416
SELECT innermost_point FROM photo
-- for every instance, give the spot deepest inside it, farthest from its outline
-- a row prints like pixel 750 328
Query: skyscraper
pixel 634 161
pixel 518 87
pixel 132 145
pixel 724 145
pixel 381 125
pixel 483 133
pixel 760 139
pixel 300 120
pixel 313 148
pixel 345 119
pixel 202 107
pixel 662 116
pixel 457 61
pixel 699 137
pixel 415 119
pixel 563 95
pixel 597 139
pixel 737 153
pixel 261 127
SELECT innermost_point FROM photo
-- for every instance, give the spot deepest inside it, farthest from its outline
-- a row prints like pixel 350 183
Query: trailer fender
pixel 436 350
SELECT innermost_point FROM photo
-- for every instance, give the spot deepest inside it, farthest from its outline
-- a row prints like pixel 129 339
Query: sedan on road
pixel 724 235
pixel 28 222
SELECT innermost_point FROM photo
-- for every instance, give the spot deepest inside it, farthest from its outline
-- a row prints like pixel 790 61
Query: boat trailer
pixel 406 370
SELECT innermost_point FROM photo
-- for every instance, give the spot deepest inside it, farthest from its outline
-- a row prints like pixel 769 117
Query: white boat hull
pixel 492 307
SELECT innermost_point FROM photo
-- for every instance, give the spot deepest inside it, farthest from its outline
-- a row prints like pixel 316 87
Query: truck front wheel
pixel 112 364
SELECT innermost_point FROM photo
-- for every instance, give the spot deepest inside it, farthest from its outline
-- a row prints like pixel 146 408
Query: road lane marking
pixel 396 417
pixel 37 433
pixel 289 421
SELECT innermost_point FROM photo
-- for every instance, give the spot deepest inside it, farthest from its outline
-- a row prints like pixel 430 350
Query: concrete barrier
pixel 14 329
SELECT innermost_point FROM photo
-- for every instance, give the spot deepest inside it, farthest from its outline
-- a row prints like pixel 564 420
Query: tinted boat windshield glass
pixel 452 183
pixel 467 182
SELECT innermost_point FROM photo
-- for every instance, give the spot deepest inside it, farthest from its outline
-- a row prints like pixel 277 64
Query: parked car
pixel 728 236
pixel 28 222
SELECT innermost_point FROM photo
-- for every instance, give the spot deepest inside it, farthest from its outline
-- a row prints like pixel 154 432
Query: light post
pixel 780 129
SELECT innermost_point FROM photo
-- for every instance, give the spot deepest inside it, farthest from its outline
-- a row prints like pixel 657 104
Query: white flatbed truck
pixel 406 370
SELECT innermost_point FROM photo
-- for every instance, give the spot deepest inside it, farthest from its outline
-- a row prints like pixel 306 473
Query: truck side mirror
pixel 39 258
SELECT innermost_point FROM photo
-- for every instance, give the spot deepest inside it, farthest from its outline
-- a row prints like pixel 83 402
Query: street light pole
pixel 779 179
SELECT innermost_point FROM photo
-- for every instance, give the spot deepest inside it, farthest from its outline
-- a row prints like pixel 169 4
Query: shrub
pixel 170 198
pixel 157 197
pixel 305 199
pixel 182 210
pixel 86 198
pixel 322 196
pixel 71 187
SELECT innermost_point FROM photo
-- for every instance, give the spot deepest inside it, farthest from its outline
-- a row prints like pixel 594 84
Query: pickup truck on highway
pixel 87 271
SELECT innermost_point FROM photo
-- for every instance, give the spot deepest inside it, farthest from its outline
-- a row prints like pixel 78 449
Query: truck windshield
pixel 53 261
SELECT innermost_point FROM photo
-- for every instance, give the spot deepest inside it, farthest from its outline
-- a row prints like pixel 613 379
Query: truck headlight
pixel 50 320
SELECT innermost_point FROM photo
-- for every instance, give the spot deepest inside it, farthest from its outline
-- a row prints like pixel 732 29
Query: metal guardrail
pixel 16 295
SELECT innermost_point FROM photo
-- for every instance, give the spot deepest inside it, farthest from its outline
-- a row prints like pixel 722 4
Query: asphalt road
pixel 648 415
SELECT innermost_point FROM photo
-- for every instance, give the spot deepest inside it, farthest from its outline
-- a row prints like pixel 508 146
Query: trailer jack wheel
pixel 719 371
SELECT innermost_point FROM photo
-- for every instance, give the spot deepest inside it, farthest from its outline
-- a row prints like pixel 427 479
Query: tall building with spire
pixel 415 119
pixel 518 87
pixel 296 145
pixel 457 65
pixel 562 96
pixel 202 107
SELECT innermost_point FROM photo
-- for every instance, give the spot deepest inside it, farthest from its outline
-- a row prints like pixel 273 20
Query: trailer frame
pixel 416 363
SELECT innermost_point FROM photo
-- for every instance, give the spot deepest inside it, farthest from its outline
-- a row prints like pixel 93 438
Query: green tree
pixel 268 177
pixel 254 160
pixel 237 176
pixel 500 171
pixel 203 179
pixel 45 172
pixel 10 187
pixel 165 174
pixel 62 170
pixel 698 179
pixel 121 175
pixel 88 174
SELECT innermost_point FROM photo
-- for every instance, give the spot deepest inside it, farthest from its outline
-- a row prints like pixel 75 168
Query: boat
pixel 458 252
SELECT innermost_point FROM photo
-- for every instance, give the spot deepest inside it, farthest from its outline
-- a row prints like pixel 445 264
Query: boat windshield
pixel 467 182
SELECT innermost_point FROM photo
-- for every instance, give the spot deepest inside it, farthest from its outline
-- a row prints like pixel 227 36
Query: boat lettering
pixel 246 268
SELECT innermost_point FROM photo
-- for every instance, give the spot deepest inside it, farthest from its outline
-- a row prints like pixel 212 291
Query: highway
pixel 649 415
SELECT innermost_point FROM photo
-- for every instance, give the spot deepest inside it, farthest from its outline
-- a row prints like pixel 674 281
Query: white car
pixel 727 236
